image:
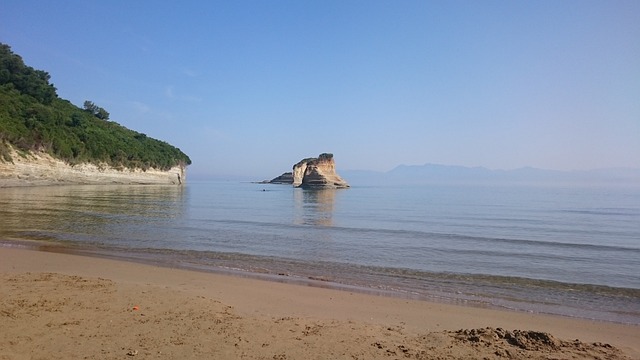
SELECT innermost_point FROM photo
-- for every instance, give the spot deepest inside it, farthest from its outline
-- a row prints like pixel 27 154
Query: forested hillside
pixel 34 118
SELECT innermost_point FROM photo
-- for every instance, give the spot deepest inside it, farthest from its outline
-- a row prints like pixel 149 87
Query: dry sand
pixel 61 306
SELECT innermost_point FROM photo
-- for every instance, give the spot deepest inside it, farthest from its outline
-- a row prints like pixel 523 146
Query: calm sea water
pixel 573 251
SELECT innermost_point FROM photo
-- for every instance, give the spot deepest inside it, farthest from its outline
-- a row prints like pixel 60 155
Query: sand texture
pixel 59 306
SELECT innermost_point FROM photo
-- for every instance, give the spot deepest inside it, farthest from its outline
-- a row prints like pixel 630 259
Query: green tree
pixel 96 110
pixel 102 114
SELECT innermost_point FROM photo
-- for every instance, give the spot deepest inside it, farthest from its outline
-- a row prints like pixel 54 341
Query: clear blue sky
pixel 251 87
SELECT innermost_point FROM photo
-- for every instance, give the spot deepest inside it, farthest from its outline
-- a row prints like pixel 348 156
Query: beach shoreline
pixel 265 269
pixel 263 306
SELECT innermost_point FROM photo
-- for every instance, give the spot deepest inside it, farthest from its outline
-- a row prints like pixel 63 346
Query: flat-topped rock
pixel 318 173
pixel 312 173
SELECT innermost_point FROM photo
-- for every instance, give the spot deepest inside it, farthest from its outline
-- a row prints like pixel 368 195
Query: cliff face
pixel 43 169
pixel 318 173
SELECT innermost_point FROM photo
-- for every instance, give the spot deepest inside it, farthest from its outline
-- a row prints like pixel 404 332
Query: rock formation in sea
pixel 312 173
pixel 318 173
pixel 285 178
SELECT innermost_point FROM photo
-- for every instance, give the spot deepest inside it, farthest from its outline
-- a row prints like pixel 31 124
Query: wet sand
pixel 55 306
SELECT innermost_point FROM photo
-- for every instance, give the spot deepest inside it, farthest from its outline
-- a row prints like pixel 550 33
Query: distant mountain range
pixel 447 174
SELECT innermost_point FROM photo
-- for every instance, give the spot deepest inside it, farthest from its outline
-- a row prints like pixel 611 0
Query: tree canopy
pixel 34 118
pixel 25 79
pixel 96 110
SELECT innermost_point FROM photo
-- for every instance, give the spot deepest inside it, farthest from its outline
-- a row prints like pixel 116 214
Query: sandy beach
pixel 55 306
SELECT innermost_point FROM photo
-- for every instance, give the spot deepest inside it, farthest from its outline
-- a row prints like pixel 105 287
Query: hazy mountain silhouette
pixel 450 174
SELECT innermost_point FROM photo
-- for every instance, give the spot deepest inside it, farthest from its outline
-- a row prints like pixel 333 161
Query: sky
pixel 248 88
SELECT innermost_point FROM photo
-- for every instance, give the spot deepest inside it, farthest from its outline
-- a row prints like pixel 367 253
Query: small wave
pixel 605 211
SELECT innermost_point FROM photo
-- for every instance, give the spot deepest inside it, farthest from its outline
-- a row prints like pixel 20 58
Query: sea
pixel 554 249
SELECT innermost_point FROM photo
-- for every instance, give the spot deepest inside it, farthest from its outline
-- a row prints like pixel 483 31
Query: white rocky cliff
pixel 43 169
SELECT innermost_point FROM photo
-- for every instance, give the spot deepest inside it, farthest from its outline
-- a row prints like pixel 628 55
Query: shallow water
pixel 552 249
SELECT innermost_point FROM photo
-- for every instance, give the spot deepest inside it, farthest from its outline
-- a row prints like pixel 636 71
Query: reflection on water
pixel 314 207
pixel 85 212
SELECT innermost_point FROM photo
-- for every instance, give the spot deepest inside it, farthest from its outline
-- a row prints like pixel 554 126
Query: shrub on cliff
pixel 34 118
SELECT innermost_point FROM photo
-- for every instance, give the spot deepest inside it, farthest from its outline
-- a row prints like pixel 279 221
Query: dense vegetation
pixel 34 118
